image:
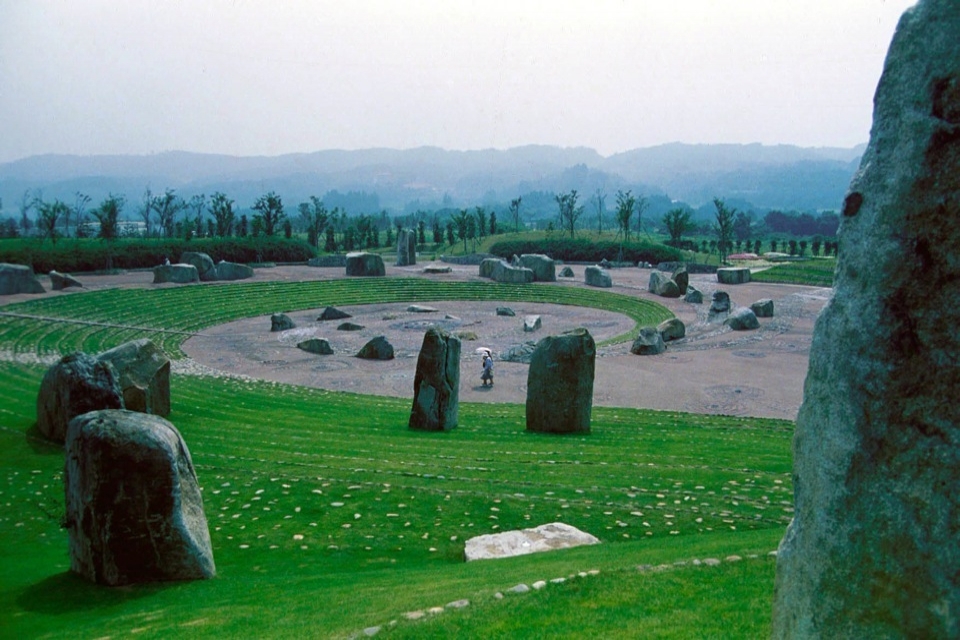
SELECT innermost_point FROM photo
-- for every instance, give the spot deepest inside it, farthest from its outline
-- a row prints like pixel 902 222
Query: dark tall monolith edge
pixel 436 385
pixel 874 547
pixel 560 383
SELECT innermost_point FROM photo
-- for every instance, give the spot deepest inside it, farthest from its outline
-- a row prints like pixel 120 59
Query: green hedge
pixel 584 250
pixel 75 256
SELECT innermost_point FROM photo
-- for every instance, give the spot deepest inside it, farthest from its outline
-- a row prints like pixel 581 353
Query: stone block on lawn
pixel 436 385
pixel 332 313
pixel 733 275
pixel 175 273
pixel 281 322
pixel 595 276
pixel 672 329
pixel 134 507
pixel 203 262
pixel 363 263
pixel 233 271
pixel 546 537
pixel 682 277
pixel 560 383
pixel 762 308
pixel 742 319
pixel 318 346
pixel 378 348
pixel 60 281
pixel 17 278
pixel 75 385
pixel 648 342
pixel 144 374
pixel 531 323
pixel 543 267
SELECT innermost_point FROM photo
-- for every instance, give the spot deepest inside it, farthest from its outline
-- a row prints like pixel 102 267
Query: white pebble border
pixel 521 588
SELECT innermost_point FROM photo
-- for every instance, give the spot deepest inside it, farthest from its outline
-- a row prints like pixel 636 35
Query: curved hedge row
pixel 584 250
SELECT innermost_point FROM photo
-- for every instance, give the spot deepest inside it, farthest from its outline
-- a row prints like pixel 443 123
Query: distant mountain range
pixel 753 176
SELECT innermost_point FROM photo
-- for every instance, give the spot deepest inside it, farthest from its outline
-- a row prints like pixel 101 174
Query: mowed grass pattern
pixel 815 273
pixel 99 320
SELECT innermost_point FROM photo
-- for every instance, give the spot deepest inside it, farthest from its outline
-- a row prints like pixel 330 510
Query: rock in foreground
pixel 560 383
pixel 17 278
pixel 75 385
pixel 436 385
pixel 547 537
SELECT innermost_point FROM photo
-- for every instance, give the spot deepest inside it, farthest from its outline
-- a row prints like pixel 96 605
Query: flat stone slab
pixel 419 308
pixel 733 275
pixel 546 537
pixel 437 269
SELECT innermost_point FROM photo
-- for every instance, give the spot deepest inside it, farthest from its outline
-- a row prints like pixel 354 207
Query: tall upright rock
pixel 874 548
pixel 406 247
pixel 560 383
pixel 436 385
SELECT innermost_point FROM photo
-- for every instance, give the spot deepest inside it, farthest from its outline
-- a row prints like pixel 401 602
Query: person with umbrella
pixel 487 371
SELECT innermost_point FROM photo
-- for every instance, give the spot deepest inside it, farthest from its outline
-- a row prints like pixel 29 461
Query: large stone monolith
pixel 560 383
pixel 78 383
pixel 143 371
pixel 874 547
pixel 134 508
pixel 436 385
pixel 406 247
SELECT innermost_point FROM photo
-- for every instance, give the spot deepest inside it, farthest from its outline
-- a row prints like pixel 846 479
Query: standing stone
pixel 595 276
pixel 720 307
pixel 78 383
pixel 60 281
pixel 436 385
pixel 560 383
pixel 682 277
pixel 406 247
pixel 134 508
pixel 376 349
pixel 763 308
pixel 281 322
pixel 543 267
pixel 206 270
pixel 874 550
pixel 17 278
pixel 144 374
pixel 648 342
pixel 362 263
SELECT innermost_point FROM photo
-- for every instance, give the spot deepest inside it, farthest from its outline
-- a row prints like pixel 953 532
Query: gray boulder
pixel 419 308
pixel 175 273
pixel 75 385
pixel 506 311
pixel 660 284
pixel 566 272
pixel 506 273
pixel 560 383
pixel 720 307
pixel 872 551
pixel 376 349
pixel 316 345
pixel 742 319
pixel 682 277
pixel 693 295
pixel 17 278
pixel 332 313
pixel 134 507
pixel 350 326
pixel 281 322
pixel 595 276
pixel 60 281
pixel 531 323
pixel 543 267
pixel 406 247
pixel 519 352
pixel 144 376
pixel 672 329
pixel 733 275
pixel 648 342
pixel 232 271
pixel 762 308
pixel 436 385
pixel 488 266
pixel 204 264
pixel 546 537
pixel 362 263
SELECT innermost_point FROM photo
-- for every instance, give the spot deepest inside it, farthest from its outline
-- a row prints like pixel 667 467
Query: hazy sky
pixel 251 77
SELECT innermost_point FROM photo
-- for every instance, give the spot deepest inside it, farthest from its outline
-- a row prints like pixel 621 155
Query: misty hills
pixel 754 176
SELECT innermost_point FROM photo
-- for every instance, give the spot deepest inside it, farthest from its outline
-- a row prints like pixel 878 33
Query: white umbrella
pixel 484 351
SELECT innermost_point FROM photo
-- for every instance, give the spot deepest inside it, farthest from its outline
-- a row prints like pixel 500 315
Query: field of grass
pixel 327 515
pixel 817 272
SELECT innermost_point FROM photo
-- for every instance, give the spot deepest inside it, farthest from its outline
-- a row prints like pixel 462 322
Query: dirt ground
pixel 712 370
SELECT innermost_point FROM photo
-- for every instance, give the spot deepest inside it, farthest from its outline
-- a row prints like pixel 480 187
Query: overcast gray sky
pixel 251 77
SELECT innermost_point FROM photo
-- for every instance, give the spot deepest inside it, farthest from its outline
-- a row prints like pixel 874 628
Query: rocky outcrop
pixel 546 537
pixel 672 329
pixel 733 275
pixel 595 276
pixel 376 349
pixel 406 247
pixel 134 508
pixel 143 371
pixel 436 385
pixel 719 307
pixel 78 383
pixel 762 308
pixel 531 323
pixel 60 281
pixel 362 263
pixel 660 284
pixel 543 267
pixel 281 322
pixel 560 383
pixel 204 264
pixel 332 313
pixel 873 551
pixel 175 273
pixel 742 319
pixel 318 346
pixel 17 278
pixel 227 271
pixel 648 342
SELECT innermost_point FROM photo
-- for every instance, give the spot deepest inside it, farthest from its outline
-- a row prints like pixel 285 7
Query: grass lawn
pixel 817 272
pixel 327 515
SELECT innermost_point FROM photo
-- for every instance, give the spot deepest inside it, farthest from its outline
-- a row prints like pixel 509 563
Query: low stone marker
pixel 531 323
pixel 203 262
pixel 560 383
pixel 143 371
pixel 742 319
pixel 332 313
pixel 546 537
pixel 365 264
pixel 648 342
pixel 762 308
pixel 595 276
pixel 60 281
pixel 436 268
pixel 543 267
pixel 350 326
pixel 419 308
pixel 378 348
pixel 672 329
pixel 175 273
pixel 318 346
pixel 75 385
pixel 281 322
pixel 436 385
pixel 733 275
pixel 506 311
pixel 17 278
pixel 134 507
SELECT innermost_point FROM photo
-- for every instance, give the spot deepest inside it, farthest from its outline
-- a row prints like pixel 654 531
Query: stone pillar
pixel 874 547
pixel 406 247
pixel 560 383
pixel 436 385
